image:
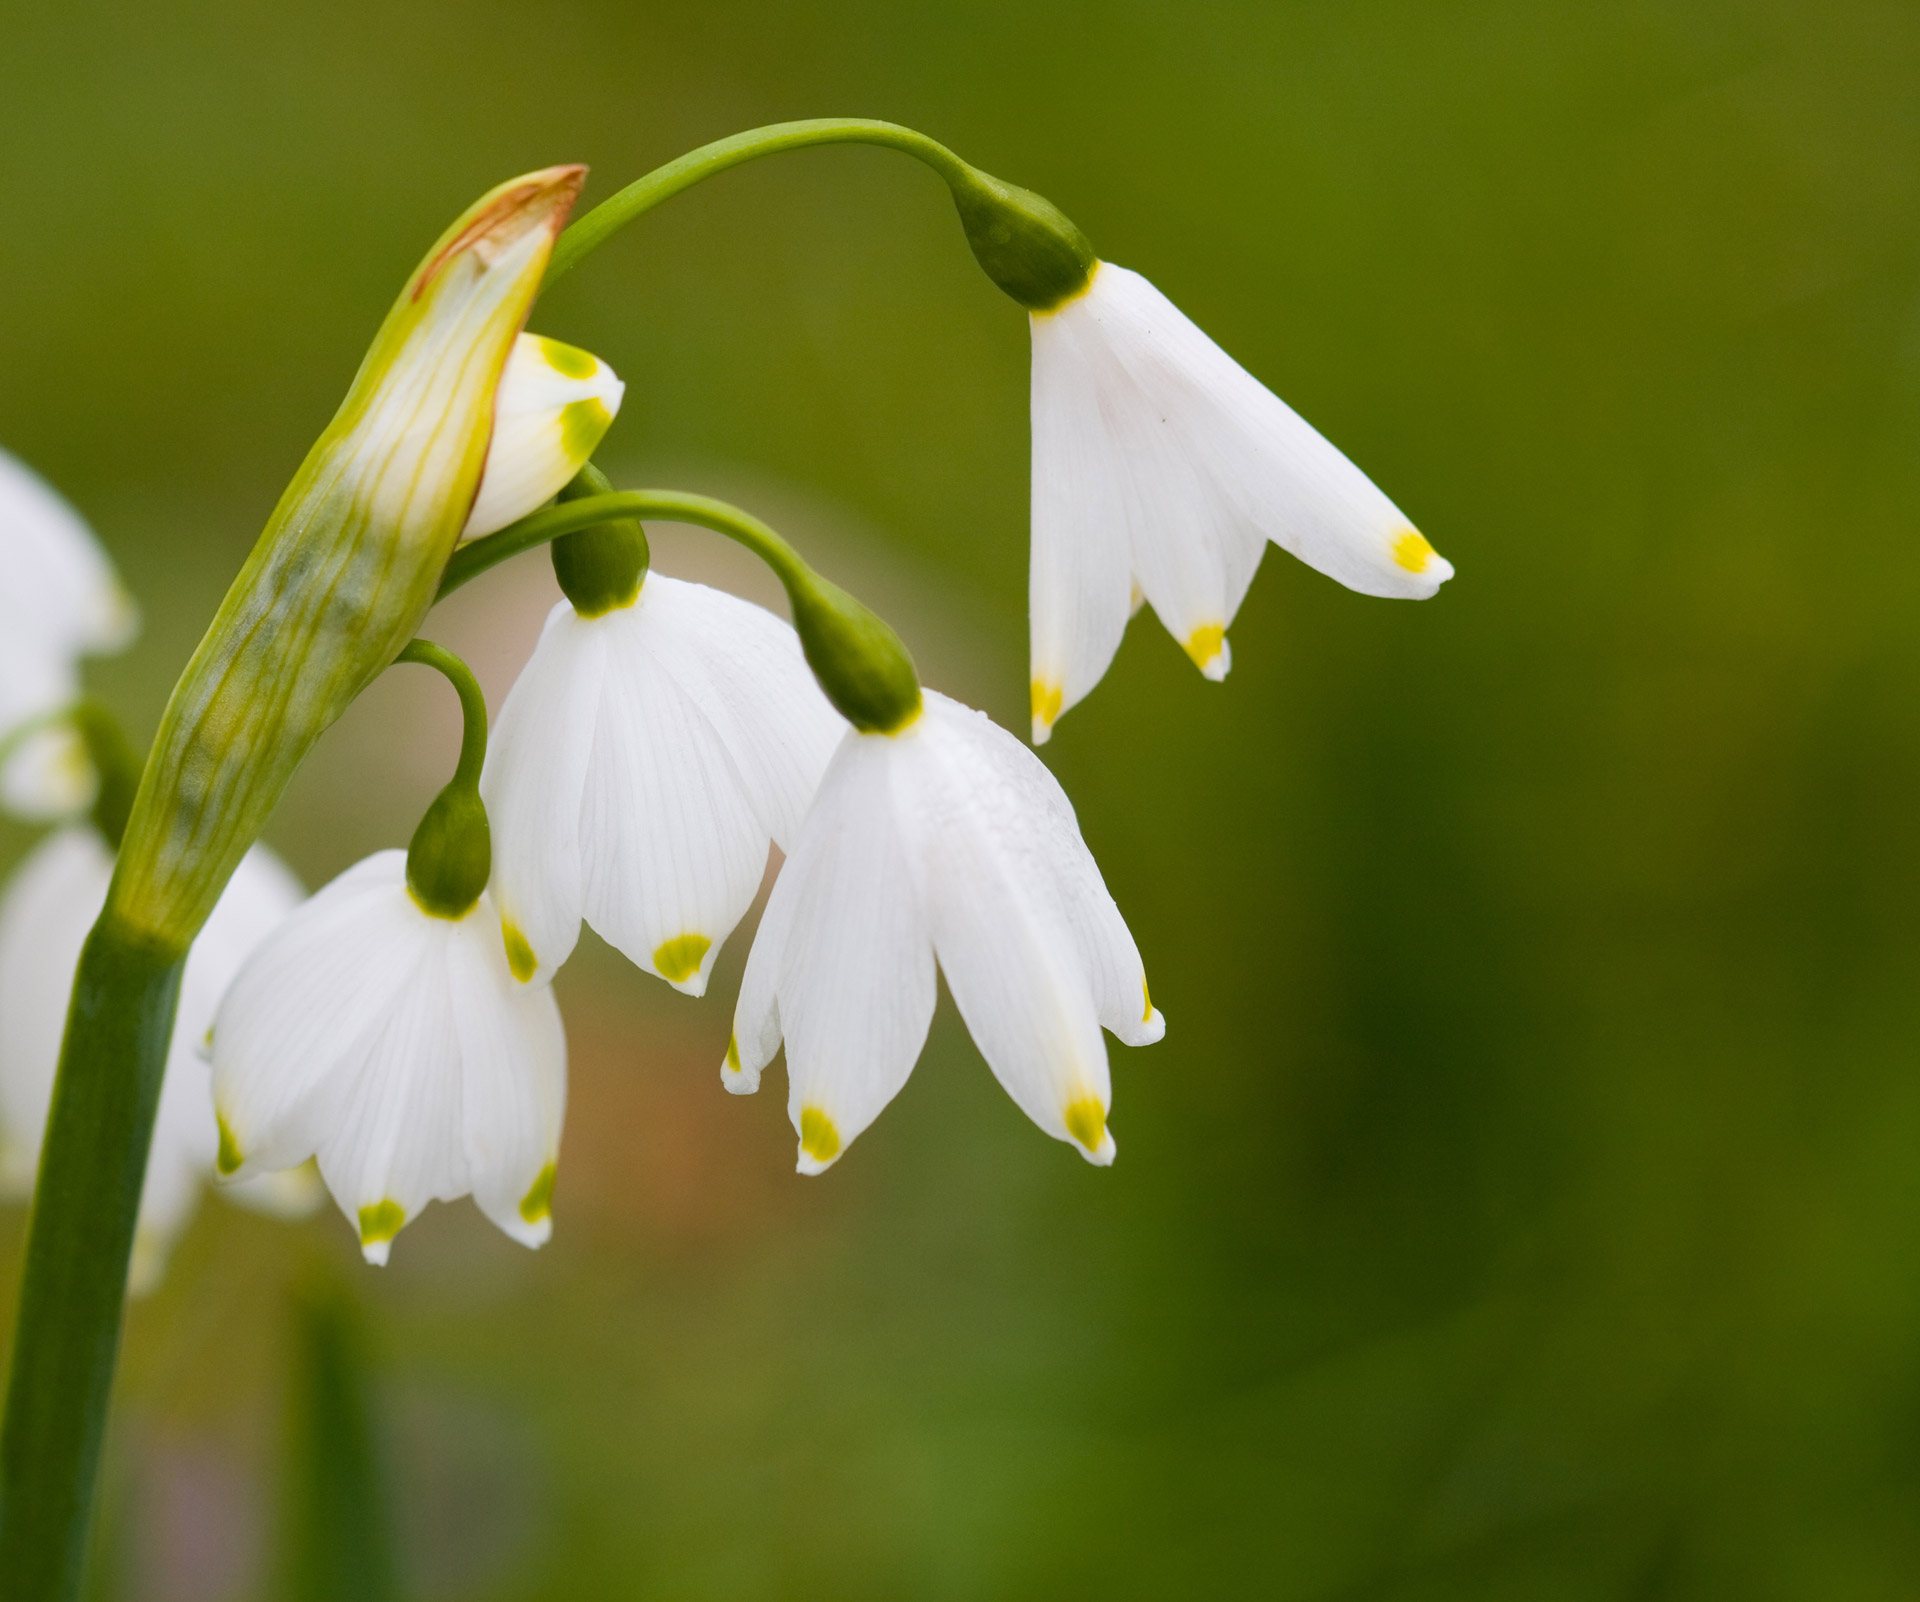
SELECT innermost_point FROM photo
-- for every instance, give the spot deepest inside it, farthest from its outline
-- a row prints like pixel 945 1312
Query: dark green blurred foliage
pixel 1525 1202
pixel 338 1512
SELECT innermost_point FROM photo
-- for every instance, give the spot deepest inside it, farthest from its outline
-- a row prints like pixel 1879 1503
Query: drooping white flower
pixel 48 906
pixel 59 601
pixel 1161 468
pixel 554 405
pixel 395 1046
pixel 948 840
pixel 639 768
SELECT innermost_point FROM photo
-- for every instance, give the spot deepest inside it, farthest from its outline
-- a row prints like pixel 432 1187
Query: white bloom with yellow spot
pixel 396 1048
pixel 947 841
pixel 1161 468
pixel 554 405
pixel 637 771
pixel 49 905
pixel 59 601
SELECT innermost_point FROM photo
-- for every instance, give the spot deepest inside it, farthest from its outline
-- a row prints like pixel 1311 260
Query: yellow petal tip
pixel 818 1137
pixel 1207 645
pixel 1087 1122
pixel 520 957
pixel 678 959
pixel 538 1201
pixel 1412 552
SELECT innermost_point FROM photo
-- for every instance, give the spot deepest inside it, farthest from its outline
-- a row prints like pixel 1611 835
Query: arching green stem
pixel 473 705
pixel 593 230
pixel 1024 242
pixel 860 662
pixel 671 506
pixel 451 854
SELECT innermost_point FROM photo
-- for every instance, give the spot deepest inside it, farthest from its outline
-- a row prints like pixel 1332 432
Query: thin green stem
pixel 72 1291
pixel 473 705
pixel 643 194
pixel 672 506
pixel 861 664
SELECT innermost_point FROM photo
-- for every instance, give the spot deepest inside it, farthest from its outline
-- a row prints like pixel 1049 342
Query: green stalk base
pixel 80 1239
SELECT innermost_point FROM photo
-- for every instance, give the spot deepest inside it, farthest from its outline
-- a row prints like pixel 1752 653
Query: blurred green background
pixel 1525 1201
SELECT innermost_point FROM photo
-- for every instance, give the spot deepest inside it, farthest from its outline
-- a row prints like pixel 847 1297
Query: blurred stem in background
pixel 337 1538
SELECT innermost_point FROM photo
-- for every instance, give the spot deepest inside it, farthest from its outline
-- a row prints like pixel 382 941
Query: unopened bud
pixel 860 662
pixel 348 564
pixel 556 403
pixel 1023 242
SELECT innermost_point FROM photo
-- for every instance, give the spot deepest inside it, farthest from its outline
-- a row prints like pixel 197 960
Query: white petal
pixel 48 775
pixel 1108 955
pixel 513 1096
pixel 60 588
pixel 743 668
pixel 536 776
pixel 49 904
pixel 1011 958
pixel 1271 467
pixel 388 1124
pixel 847 956
pixel 554 405
pixel 1081 560
pixel 672 853
pixel 310 999
pixel 409 1060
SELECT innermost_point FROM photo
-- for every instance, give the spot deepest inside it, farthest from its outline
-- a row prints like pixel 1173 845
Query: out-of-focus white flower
pixel 1161 468
pixel 59 601
pixel 947 840
pixel 554 406
pixel 395 1046
pixel 637 771
pixel 45 913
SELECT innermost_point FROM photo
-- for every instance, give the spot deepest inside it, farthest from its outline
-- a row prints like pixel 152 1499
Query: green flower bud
pixel 451 854
pixel 349 561
pixel 1023 242
pixel 860 662
pixel 600 569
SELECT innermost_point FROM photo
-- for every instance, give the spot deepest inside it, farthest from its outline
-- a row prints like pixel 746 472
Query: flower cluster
pixel 398 1028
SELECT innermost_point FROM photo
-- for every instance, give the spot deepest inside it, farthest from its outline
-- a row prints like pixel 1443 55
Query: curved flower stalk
pixel 650 750
pixel 1161 469
pixel 947 840
pixel 48 905
pixel 60 601
pixel 392 1044
pixel 380 1031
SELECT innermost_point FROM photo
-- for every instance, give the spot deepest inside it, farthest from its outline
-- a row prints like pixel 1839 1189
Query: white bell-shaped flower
pixel 947 840
pixel 48 906
pixel 637 771
pixel 395 1047
pixel 554 405
pixel 60 601
pixel 1161 468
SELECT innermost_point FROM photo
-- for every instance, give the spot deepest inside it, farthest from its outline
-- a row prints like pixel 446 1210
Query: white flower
pixel 59 601
pixel 554 405
pixel 637 771
pixel 395 1047
pixel 951 840
pixel 1161 468
pixel 45 913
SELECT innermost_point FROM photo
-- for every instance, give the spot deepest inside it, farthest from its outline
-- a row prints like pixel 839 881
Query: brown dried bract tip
pixel 540 199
